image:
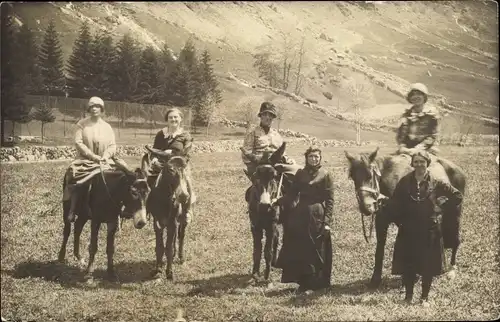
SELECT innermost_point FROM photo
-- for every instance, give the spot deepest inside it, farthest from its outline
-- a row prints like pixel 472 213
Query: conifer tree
pixel 44 114
pixel 126 69
pixel 149 76
pixel 51 61
pixel 13 105
pixel 103 53
pixel 80 63
pixel 27 67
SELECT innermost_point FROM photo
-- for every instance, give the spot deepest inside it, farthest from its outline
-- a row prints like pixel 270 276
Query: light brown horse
pixel 375 178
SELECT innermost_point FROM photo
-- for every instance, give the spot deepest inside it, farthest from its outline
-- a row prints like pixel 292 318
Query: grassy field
pixel 214 283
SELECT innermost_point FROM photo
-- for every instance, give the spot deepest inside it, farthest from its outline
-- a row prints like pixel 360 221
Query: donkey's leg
pixel 257 235
pixel 451 235
pixel 268 251
pixel 159 249
pixel 381 227
pixel 276 239
pixel 181 234
pixel 66 232
pixel 94 234
pixel 110 249
pixel 170 244
pixel 78 228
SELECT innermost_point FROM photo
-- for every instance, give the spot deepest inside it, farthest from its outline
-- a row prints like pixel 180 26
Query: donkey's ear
pixel 373 155
pixel 278 154
pixel 349 156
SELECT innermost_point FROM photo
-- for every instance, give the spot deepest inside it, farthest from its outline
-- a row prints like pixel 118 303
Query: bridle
pixel 374 190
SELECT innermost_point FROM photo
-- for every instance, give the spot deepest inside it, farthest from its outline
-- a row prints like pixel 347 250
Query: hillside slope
pixel 450 46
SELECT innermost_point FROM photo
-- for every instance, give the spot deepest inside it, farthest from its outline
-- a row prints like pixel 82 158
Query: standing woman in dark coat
pixel 306 255
pixel 416 206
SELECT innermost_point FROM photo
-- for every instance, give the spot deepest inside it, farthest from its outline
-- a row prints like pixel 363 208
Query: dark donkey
pixel 375 178
pixel 263 216
pixel 167 203
pixel 109 191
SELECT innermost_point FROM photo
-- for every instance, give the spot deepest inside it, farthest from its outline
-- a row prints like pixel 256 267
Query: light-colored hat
pixel 419 87
pixel 94 100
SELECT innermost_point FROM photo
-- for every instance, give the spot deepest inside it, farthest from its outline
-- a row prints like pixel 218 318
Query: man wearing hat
pixel 419 123
pixel 262 139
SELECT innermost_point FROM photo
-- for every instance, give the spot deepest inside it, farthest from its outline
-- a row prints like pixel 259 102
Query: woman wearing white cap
pixel 95 143
pixel 419 123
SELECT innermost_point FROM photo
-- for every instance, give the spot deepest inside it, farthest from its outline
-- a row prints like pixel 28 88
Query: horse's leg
pixel 450 227
pixel 381 227
pixel 159 249
pixel 181 234
pixel 170 244
pixel 110 249
pixel 66 232
pixel 78 228
pixel 257 250
pixel 268 251
pixel 94 234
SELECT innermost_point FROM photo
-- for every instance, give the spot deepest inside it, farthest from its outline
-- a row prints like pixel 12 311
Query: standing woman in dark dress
pixel 416 206
pixel 174 141
pixel 306 255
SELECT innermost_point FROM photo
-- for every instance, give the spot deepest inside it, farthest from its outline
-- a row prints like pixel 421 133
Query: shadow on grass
pixel 70 276
pixel 356 288
pixel 218 285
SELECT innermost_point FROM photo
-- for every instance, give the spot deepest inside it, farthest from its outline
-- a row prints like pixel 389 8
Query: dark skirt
pixel 306 255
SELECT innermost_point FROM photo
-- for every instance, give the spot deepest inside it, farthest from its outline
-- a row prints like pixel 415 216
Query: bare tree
pixel 360 91
pixel 280 104
pixel 299 78
pixel 248 108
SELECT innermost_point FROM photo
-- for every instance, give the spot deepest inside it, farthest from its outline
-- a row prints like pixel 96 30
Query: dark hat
pixel 267 107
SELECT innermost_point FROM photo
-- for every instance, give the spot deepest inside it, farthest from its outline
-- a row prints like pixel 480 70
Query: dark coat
pixel 419 243
pixel 178 144
pixel 306 255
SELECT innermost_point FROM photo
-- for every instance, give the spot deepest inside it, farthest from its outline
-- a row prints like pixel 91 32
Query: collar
pixel 166 134
pixel 427 110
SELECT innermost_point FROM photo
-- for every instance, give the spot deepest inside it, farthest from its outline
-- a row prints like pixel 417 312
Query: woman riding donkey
pixel 262 141
pixel 172 140
pixel 96 148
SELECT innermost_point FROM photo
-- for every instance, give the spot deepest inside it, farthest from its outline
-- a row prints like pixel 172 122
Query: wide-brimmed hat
pixel 267 107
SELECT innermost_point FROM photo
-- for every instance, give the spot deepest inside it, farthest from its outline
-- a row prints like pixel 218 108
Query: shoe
pixel 188 217
pixel 425 303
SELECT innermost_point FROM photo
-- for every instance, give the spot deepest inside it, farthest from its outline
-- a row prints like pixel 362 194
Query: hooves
pixel 157 275
pixel 452 273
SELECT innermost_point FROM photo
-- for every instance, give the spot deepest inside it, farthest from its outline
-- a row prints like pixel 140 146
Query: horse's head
pixel 136 197
pixel 365 173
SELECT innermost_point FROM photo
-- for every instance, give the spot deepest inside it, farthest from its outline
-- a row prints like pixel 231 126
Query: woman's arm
pixel 111 148
pixel 447 190
pixel 80 145
pixel 329 193
pixel 247 148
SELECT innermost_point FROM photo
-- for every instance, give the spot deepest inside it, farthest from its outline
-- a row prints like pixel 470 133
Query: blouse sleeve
pixel 394 204
pixel 111 148
pixel 188 145
pixel 80 145
pixel 328 199
pixel 157 144
pixel 445 189
pixel 247 149
pixel 402 132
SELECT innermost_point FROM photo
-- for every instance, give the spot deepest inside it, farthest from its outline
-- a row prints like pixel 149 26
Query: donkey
pixel 167 204
pixel 375 178
pixel 108 192
pixel 263 216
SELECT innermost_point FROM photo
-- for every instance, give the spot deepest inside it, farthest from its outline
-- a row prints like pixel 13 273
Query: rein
pixel 375 190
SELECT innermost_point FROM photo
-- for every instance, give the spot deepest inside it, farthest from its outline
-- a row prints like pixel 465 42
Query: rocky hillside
pixel 451 46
